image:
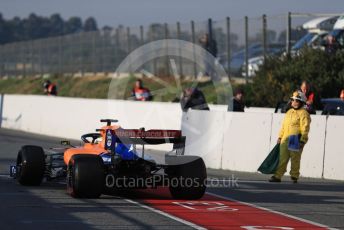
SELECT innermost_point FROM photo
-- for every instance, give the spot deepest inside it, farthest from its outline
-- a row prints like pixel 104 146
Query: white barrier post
pixel 246 140
pixel 204 135
pixel 1 105
pixel 334 153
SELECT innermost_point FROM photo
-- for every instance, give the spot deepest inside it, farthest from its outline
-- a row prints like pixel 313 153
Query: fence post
pixel 60 55
pixel 47 57
pixel 166 36
pixel 103 44
pixel 24 59
pixel 81 55
pixel 180 61
pixel 141 44
pixel 264 36
pixel 141 36
pixel 246 49
pixel 193 48
pixel 40 49
pixel 210 29
pixel 228 25
pixel 94 62
pixel 31 61
pixel 128 39
pixel 152 39
pixel 1 61
pixel 129 48
pixel 288 34
pixel 116 53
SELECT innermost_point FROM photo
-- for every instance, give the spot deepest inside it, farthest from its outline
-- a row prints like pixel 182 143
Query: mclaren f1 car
pixel 113 159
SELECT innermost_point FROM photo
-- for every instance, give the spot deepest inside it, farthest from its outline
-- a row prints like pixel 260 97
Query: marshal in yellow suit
pixel 296 122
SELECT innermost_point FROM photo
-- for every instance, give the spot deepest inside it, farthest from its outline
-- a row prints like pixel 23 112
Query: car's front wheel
pixel 30 165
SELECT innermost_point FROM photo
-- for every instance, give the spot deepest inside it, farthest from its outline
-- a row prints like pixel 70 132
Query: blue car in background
pixel 333 106
pixel 254 50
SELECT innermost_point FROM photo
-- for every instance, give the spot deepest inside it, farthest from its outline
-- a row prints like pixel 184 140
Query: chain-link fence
pixel 100 52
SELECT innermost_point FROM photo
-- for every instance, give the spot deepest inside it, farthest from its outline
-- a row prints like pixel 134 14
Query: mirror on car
pixel 65 143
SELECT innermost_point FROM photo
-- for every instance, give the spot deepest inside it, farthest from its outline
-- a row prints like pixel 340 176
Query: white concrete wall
pixel 226 140
pixel 313 152
pixel 204 135
pixel 249 137
pixel 246 140
pixel 72 117
pixel 334 148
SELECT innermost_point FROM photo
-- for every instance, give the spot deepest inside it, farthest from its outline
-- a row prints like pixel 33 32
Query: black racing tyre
pixel 85 176
pixel 187 177
pixel 30 165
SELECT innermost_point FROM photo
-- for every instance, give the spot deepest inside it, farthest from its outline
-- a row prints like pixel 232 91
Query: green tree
pixel 4 31
pixel 279 77
pixel 90 24
pixel 56 25
pixel 73 25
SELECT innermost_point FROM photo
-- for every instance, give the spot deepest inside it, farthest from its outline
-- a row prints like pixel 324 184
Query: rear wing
pixel 142 137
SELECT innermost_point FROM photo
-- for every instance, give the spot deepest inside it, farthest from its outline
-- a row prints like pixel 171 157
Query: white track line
pixel 272 211
pixel 222 197
pixel 5 176
pixel 195 226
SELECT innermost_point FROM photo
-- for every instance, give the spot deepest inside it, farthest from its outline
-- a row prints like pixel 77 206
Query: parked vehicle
pixel 255 62
pixel 337 33
pixel 254 50
pixel 317 29
pixel 333 106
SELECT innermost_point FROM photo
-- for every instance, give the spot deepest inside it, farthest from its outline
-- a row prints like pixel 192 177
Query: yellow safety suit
pixel 296 121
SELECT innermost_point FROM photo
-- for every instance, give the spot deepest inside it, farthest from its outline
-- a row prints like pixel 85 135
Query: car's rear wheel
pixel 85 176
pixel 30 165
pixel 187 177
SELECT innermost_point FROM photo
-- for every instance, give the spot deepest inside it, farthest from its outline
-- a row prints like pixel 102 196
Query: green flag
pixel 270 164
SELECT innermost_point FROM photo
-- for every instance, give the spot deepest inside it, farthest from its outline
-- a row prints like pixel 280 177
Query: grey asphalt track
pixel 49 207
pixel 316 200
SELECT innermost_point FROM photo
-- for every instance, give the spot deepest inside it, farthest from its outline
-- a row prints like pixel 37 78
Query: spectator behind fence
pixel 238 102
pixel 332 45
pixel 305 88
pixel 49 88
pixel 341 95
pixel 209 45
pixel 140 93
pixel 193 98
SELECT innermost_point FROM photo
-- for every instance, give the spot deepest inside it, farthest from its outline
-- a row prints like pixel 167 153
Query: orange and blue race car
pixel 110 160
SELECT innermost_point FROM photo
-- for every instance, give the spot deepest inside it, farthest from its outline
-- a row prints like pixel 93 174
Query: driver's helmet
pixel 46 84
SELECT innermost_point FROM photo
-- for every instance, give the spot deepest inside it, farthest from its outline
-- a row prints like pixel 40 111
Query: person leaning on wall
pixel 305 88
pixel 140 93
pixel 341 95
pixel 193 98
pixel 49 88
pixel 238 101
pixel 292 138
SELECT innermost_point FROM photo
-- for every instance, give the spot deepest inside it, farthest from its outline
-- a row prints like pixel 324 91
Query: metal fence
pixel 102 51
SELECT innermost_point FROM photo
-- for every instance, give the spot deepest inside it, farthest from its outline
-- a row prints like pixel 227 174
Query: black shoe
pixel 274 179
pixel 294 179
